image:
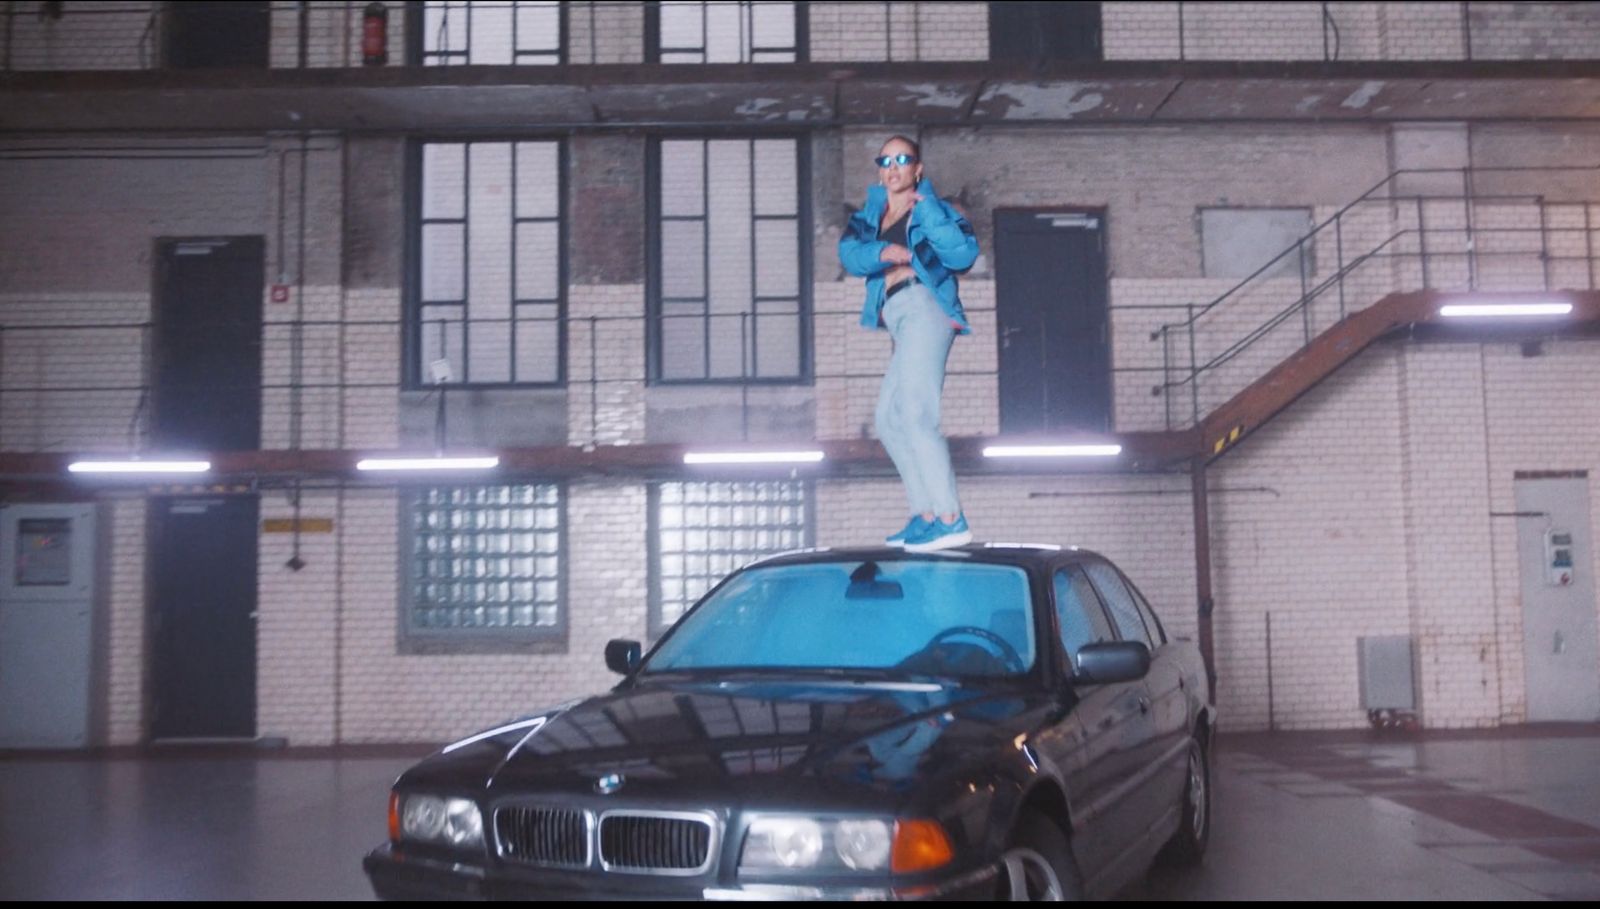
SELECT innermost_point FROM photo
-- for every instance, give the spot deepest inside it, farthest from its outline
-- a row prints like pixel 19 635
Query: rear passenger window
pixel 1078 610
pixel 1151 620
pixel 1119 603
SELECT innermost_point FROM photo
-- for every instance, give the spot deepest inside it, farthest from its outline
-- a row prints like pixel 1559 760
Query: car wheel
pixel 1188 845
pixel 1038 865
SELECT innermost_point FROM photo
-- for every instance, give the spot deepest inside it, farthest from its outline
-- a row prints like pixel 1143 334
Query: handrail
pixel 1364 197
pixel 1177 374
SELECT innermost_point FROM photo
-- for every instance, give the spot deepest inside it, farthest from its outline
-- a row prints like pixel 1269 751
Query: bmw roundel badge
pixel 609 783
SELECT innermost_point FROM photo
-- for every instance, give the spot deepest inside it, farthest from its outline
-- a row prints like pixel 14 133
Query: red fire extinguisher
pixel 375 34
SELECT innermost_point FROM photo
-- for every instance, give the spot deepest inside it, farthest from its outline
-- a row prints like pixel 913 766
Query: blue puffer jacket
pixel 942 246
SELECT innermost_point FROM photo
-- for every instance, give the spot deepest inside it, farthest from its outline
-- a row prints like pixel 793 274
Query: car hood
pixel 747 740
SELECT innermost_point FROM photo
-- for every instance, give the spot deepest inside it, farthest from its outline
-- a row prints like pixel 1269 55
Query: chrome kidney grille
pixel 655 842
pixel 673 843
pixel 555 837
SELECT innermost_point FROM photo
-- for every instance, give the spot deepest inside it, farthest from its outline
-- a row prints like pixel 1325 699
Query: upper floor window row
pixel 106 35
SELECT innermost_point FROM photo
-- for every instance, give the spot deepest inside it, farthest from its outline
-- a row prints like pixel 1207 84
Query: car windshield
pixel 928 617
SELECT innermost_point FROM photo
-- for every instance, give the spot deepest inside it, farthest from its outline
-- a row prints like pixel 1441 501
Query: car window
pixel 913 616
pixel 1151 620
pixel 1078 610
pixel 1119 603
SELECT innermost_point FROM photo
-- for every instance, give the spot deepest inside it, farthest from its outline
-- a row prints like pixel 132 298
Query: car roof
pixel 1030 555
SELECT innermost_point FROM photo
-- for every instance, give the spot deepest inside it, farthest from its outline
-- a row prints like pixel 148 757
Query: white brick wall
pixel 300 630
pixel 1544 31
pixel 859 32
pixel 1312 533
pixel 605 32
pixel 1543 414
pixel 606 361
pixel 125 675
pixel 390 697
pixel 1445 474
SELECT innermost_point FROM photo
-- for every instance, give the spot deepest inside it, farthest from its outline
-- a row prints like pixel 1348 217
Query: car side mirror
pixel 1112 662
pixel 622 657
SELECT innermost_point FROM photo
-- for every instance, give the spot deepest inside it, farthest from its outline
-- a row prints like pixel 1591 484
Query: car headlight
pixel 440 821
pixel 804 843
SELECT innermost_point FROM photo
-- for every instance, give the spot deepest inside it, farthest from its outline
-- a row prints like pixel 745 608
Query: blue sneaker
pixel 914 528
pixel 940 535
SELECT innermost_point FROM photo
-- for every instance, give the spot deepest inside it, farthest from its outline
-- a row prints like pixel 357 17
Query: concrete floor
pixel 1507 815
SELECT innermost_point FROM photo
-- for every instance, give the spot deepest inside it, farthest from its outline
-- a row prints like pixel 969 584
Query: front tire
pixel 1188 846
pixel 1038 865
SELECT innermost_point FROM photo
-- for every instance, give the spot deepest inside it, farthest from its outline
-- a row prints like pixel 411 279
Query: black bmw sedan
pixel 991 721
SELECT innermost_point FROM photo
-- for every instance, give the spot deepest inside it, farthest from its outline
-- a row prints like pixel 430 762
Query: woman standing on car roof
pixel 909 244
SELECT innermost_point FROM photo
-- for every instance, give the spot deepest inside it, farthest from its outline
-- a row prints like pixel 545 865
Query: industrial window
pixel 724 31
pixel 484 563
pixel 729 288
pixel 701 532
pixel 487 32
pixel 1238 242
pixel 489 286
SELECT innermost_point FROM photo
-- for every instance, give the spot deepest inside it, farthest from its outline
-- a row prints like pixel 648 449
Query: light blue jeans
pixel 908 403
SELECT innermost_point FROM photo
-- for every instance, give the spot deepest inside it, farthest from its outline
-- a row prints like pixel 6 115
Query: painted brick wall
pixel 1239 31
pixel 606 375
pixel 602 32
pixel 125 673
pixel 389 697
pixel 1445 475
pixel 860 32
pixel 1543 413
pixel 1534 31
pixel 1308 528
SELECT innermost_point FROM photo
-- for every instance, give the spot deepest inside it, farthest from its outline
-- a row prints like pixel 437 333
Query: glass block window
pixel 701 532
pixel 723 31
pixel 489 288
pixel 488 32
pixel 484 560
pixel 729 274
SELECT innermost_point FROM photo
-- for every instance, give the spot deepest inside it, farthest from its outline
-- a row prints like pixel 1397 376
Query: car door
pixel 1169 697
pixel 1160 771
pixel 1099 745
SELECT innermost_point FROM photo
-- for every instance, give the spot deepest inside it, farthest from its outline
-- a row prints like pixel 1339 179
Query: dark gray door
pixel 1055 365
pixel 201 34
pixel 207 345
pixel 1032 32
pixel 1100 748
pixel 203 604
pixel 206 398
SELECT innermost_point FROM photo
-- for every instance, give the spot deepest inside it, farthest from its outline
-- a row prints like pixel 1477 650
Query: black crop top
pixel 896 232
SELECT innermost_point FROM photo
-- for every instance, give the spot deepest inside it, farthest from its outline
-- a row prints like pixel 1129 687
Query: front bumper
pixel 398 876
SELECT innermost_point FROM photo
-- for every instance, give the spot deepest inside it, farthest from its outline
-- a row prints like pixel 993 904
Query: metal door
pixel 1555 546
pixel 1055 362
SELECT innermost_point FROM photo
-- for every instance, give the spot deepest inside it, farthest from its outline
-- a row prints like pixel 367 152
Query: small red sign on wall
pixel 280 293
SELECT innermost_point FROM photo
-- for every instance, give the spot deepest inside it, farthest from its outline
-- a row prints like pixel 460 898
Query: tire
pixel 1038 865
pixel 1188 846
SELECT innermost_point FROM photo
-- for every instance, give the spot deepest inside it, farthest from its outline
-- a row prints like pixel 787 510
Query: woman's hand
pixel 896 254
pixel 897 274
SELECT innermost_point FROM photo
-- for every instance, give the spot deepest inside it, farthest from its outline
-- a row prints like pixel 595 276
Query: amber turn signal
pixel 919 845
